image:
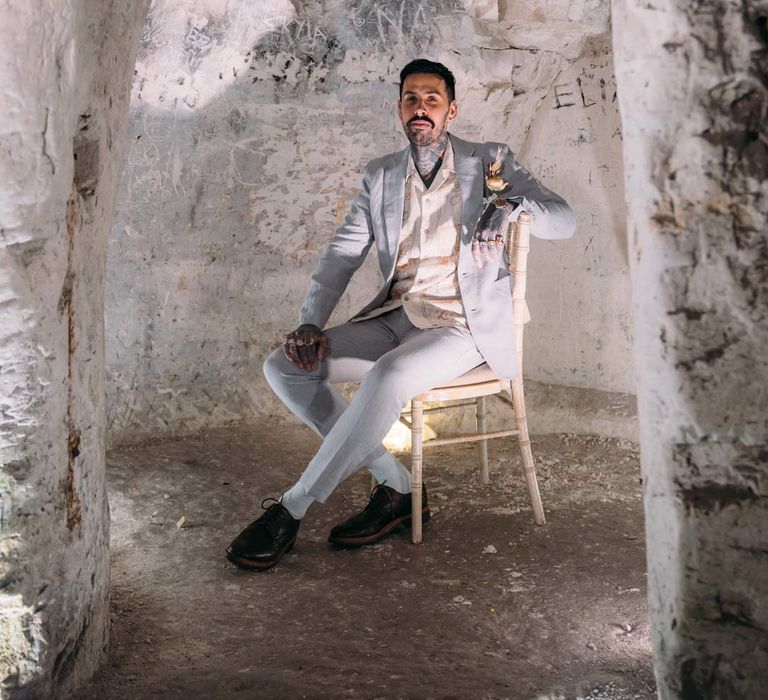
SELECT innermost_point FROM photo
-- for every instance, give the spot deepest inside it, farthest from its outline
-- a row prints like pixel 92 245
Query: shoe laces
pixel 271 513
pixel 376 490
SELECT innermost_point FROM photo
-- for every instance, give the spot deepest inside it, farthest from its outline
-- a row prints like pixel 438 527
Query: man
pixel 445 307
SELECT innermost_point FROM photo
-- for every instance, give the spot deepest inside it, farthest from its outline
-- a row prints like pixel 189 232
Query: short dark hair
pixel 424 65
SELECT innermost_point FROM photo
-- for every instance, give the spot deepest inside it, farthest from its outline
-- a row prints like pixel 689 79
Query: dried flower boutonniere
pixel 489 233
pixel 493 180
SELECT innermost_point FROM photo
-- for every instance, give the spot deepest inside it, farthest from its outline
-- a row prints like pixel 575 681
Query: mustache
pixel 421 119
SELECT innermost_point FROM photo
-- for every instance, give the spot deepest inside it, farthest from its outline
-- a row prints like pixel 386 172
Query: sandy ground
pixel 489 606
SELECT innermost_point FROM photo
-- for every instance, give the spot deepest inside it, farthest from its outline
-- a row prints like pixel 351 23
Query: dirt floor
pixel 489 606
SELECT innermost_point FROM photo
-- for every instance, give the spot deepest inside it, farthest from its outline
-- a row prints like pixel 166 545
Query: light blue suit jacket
pixel 376 215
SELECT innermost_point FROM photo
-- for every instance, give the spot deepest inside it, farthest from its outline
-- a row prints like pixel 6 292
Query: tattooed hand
pixel 486 251
pixel 306 346
pixel 489 235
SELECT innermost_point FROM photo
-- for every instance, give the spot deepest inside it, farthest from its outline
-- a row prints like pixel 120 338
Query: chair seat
pixel 480 381
pixel 477 375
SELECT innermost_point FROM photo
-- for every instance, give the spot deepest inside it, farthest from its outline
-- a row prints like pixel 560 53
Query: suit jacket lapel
pixel 470 170
pixel 394 195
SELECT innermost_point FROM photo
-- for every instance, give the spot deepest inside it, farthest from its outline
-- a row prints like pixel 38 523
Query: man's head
pixel 427 101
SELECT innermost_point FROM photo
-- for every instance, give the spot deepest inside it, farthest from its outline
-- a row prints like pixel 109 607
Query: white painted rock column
pixel 65 70
pixel 692 81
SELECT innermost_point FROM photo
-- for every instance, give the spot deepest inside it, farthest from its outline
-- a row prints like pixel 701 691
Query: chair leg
pixel 482 445
pixel 417 426
pixel 518 399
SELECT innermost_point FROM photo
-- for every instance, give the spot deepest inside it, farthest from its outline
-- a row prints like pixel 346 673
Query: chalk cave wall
pixel 694 102
pixel 250 125
pixel 65 68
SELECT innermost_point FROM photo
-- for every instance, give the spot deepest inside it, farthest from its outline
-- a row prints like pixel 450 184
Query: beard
pixel 422 138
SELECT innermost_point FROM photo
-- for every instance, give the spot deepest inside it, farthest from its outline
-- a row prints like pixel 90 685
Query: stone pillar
pixel 692 81
pixel 65 70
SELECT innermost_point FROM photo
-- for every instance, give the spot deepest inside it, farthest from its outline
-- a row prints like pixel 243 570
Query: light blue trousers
pixel 394 361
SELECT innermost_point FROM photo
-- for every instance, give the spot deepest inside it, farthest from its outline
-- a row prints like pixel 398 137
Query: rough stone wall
pixel 579 291
pixel 65 68
pixel 251 124
pixel 693 92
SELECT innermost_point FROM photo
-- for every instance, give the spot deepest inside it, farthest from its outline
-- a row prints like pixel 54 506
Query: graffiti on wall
pixel 593 87
pixel 587 90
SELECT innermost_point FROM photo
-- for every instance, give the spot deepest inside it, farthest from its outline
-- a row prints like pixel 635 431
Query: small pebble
pixel 462 600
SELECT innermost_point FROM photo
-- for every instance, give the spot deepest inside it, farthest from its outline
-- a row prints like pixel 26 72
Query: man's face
pixel 424 108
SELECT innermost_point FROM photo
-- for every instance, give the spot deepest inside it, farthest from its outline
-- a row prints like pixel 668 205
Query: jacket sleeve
pixel 551 216
pixel 339 260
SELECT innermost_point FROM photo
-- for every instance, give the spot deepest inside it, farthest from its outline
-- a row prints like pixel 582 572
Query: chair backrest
pixel 518 243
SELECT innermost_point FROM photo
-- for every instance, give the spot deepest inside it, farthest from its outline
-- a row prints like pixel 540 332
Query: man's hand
pixel 489 235
pixel 485 251
pixel 306 346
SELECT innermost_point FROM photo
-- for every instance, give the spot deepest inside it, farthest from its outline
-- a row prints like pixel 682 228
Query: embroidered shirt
pixel 425 281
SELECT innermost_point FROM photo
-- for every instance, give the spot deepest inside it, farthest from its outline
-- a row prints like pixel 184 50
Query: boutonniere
pixel 493 180
pixel 491 227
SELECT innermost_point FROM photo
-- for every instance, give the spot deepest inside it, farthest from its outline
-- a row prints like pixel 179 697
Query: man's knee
pixel 275 367
pixel 278 368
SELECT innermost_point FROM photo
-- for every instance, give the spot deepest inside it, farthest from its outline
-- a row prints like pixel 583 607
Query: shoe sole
pixel 252 564
pixel 381 534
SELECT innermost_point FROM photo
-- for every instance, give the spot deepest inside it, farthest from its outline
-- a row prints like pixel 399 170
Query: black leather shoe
pixel 263 543
pixel 386 511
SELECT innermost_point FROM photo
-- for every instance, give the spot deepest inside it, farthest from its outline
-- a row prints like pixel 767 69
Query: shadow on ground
pixel 490 606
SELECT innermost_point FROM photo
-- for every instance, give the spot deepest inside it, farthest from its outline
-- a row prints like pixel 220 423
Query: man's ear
pixel 453 110
pixel 398 109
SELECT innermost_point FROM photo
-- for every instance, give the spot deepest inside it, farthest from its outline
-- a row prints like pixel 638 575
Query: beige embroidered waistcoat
pixel 425 282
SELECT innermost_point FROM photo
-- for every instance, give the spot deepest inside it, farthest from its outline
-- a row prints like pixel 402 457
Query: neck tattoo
pixel 429 158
